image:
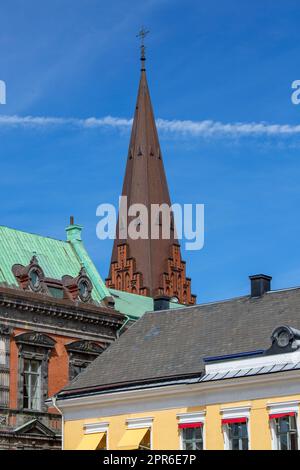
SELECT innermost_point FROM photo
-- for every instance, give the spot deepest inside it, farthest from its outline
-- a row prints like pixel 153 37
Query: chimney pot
pixel 260 284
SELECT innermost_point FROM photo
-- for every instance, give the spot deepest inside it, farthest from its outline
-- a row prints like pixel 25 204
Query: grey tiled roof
pixel 174 342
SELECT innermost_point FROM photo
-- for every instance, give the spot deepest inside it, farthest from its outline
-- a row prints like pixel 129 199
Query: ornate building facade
pixel 56 317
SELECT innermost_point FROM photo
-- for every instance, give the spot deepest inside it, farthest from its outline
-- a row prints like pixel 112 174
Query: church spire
pixel 141 35
pixel 147 266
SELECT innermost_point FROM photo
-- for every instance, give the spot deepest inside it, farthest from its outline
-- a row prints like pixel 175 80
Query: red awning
pixel 190 425
pixel 234 420
pixel 281 415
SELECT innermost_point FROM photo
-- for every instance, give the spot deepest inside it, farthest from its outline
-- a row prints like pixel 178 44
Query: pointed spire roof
pixel 147 266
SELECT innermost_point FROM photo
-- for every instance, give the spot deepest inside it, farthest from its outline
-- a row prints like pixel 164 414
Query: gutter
pixel 123 326
pixel 245 385
pixel 53 400
pixel 125 386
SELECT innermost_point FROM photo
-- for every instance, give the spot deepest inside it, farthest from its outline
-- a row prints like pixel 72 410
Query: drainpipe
pixel 123 326
pixel 62 420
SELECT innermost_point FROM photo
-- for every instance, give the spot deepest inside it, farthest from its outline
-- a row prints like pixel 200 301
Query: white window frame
pixel 187 418
pixel 231 413
pixel 139 423
pixel 97 428
pixel 283 407
pixel 28 384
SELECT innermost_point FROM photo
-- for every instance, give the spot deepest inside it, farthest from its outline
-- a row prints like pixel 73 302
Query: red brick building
pixel 56 316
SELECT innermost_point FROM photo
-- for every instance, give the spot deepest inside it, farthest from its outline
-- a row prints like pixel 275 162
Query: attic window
pixel 35 281
pixel 84 290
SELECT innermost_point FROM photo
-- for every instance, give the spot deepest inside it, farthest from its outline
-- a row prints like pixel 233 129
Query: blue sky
pixel 227 62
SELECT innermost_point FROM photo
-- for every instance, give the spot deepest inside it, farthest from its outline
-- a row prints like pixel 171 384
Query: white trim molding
pixel 201 394
pixel 231 413
pixel 196 417
pixel 236 412
pixel 252 362
pixel 283 407
pixel 189 418
pixel 94 428
pixel 139 423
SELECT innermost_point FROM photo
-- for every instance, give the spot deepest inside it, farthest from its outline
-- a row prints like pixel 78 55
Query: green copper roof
pixel 57 258
pixel 132 305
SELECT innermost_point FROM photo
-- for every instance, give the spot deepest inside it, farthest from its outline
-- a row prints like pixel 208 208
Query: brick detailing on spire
pixel 174 281
pixel 123 273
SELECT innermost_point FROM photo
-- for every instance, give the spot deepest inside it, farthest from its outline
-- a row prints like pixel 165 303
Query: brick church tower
pixel 150 266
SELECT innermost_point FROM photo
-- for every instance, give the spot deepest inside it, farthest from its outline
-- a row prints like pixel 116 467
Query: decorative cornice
pixel 95 428
pixel 59 308
pixel 86 347
pixel 35 339
pixel 283 406
pixel 193 417
pixel 5 330
pixel 100 398
pixel 236 411
pixel 178 396
pixel 138 423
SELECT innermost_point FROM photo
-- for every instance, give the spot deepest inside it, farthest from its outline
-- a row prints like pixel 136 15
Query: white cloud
pixel 205 128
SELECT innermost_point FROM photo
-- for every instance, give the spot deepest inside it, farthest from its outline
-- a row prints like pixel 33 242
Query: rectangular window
pixel 4 370
pixel 32 385
pixel 238 436
pixel 286 432
pixel 192 438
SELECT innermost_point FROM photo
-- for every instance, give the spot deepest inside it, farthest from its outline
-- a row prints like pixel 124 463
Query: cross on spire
pixel 141 35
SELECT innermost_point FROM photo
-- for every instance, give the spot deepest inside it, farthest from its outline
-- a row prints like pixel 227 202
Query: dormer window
pixel 84 286
pixel 283 339
pixel 84 293
pixel 32 278
pixel 35 281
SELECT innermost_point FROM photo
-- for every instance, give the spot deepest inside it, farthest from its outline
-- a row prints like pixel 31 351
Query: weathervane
pixel 141 35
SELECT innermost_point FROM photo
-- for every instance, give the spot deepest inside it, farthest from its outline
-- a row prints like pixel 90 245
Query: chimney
pixel 161 303
pixel 73 231
pixel 260 284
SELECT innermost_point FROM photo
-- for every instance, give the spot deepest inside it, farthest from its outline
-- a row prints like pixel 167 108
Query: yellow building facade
pixel 249 402
pixel 165 432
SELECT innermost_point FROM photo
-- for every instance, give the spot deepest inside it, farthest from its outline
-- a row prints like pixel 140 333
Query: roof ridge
pixel 34 234
pixel 215 302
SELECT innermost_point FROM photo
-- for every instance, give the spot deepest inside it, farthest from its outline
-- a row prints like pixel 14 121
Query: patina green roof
pixel 133 305
pixel 56 257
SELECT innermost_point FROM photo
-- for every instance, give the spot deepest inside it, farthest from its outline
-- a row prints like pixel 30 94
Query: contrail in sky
pixel 205 128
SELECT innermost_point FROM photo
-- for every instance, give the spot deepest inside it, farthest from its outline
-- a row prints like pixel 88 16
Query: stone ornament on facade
pixel 32 278
pixel 35 339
